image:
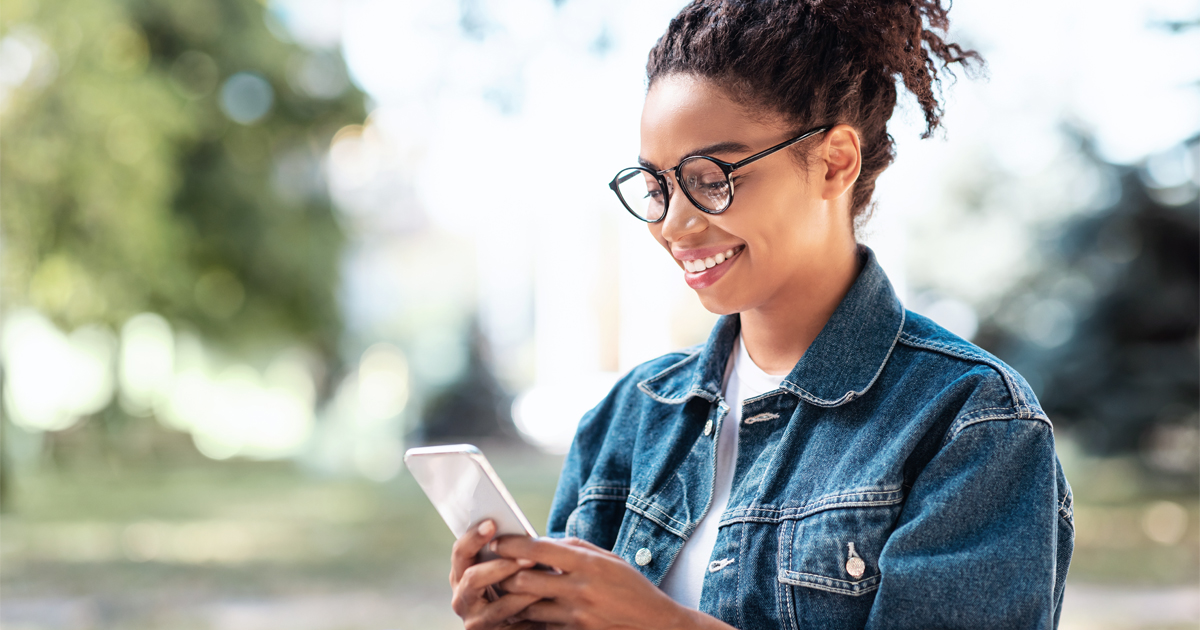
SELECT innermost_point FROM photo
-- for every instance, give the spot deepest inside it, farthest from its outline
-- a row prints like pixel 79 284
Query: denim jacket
pixel 900 477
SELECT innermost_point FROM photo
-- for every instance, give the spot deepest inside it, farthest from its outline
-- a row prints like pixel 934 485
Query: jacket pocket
pixel 597 518
pixel 836 550
pixel 829 565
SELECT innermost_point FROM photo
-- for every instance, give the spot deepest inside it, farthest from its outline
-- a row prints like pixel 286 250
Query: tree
pixel 166 156
pixel 1107 331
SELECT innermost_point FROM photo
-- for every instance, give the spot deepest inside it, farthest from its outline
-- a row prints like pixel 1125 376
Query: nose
pixel 683 217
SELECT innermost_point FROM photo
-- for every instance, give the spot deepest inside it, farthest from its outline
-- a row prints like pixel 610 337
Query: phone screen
pixel 465 490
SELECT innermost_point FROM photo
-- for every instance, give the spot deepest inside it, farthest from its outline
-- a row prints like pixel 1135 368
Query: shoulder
pixel 952 367
pixel 636 388
pixel 663 366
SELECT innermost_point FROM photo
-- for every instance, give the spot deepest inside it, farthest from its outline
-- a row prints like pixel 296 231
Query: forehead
pixel 684 113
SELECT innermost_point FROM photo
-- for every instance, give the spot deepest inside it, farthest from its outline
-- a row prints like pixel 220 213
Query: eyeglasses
pixel 705 182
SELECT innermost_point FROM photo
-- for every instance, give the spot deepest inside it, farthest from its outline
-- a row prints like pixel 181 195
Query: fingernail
pixel 494 546
pixel 485 528
pixel 526 563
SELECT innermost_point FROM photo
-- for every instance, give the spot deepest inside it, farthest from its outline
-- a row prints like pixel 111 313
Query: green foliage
pixel 126 188
pixel 1117 298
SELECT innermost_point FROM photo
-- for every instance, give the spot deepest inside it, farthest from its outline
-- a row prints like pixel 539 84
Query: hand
pixel 470 581
pixel 596 589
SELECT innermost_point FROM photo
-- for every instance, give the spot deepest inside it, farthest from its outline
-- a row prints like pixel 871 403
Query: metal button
pixel 708 427
pixel 855 565
pixel 643 557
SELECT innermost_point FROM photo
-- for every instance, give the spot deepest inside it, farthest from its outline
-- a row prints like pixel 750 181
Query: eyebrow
pixel 728 146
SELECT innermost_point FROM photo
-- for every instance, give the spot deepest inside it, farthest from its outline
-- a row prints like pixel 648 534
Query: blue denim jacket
pixel 900 477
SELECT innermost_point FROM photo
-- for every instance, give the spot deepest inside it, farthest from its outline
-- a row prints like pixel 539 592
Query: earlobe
pixel 843 160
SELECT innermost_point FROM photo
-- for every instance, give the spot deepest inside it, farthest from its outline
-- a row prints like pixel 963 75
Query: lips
pixel 703 268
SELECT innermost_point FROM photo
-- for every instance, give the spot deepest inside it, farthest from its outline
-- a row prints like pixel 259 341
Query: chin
pixel 719 304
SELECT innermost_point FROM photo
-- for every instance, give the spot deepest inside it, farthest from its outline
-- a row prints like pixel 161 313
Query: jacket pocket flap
pixel 835 550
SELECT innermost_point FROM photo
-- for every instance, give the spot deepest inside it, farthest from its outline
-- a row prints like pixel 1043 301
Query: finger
pixel 583 544
pixel 544 550
pixel 471 590
pixel 547 611
pixel 509 606
pixel 540 583
pixel 462 555
pixel 480 576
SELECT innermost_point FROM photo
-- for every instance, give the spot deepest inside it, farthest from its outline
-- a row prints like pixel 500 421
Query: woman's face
pixel 780 228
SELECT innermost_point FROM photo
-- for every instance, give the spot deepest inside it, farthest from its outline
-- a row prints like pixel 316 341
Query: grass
pixel 243 545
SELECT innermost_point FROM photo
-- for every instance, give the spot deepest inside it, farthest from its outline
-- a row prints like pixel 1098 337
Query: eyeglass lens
pixel 704 182
pixel 640 191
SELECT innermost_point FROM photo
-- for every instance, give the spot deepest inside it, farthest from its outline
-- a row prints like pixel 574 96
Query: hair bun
pixel 903 37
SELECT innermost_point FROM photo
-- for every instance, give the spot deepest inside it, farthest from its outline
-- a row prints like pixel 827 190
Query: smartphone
pixel 466 491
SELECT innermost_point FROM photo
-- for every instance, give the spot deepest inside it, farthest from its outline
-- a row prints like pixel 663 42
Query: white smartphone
pixel 466 491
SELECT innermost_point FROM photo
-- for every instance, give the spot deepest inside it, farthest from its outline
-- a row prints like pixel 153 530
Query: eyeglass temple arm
pixel 779 147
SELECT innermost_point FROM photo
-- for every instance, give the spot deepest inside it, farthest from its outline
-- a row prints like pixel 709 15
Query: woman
pixel 827 459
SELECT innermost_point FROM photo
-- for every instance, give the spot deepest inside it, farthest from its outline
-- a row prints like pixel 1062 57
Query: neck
pixel 779 332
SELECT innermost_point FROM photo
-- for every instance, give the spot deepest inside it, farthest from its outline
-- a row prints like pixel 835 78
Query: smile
pixel 701 264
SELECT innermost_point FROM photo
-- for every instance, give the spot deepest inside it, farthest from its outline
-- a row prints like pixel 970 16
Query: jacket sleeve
pixel 977 543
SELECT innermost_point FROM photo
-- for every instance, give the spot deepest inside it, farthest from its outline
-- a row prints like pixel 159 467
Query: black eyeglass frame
pixel 726 167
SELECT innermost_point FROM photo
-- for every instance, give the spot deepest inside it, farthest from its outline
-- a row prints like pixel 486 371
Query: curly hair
pixel 818 62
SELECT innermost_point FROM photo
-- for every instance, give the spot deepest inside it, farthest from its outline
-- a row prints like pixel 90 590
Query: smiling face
pixel 788 229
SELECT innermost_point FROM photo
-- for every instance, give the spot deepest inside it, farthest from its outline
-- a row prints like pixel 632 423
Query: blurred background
pixel 253 250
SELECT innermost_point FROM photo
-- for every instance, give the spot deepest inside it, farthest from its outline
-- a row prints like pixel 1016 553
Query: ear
pixel 842 156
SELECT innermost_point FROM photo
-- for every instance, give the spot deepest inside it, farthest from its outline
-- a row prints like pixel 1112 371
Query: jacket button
pixel 856 567
pixel 708 428
pixel 643 557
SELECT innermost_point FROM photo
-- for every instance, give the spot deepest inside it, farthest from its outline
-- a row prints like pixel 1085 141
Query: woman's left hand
pixel 595 589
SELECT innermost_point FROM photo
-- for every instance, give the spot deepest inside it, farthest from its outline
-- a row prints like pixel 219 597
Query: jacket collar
pixel 842 363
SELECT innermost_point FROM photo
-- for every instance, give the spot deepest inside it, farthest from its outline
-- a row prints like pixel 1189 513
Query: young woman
pixel 827 459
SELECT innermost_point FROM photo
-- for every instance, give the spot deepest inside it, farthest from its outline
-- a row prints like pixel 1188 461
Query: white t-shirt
pixel 743 380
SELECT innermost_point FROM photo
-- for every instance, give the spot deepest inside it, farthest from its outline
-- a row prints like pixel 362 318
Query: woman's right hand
pixel 470 580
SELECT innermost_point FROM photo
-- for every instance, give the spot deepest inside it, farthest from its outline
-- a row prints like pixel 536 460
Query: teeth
pixel 700 264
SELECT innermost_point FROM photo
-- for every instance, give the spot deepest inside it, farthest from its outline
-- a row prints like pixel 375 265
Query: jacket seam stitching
pixel 789 514
pixel 799 575
pixel 644 384
pixel 785 535
pixel 601 497
pixel 829 498
pixel 962 424
pixel 602 493
pixel 1013 391
pixel 740 573
pixel 632 502
pixel 1066 509
pixel 587 489
pixel 830 589
pixel 822 504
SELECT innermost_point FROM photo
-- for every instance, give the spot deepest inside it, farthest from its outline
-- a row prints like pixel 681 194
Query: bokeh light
pixel 53 379
pixel 246 97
